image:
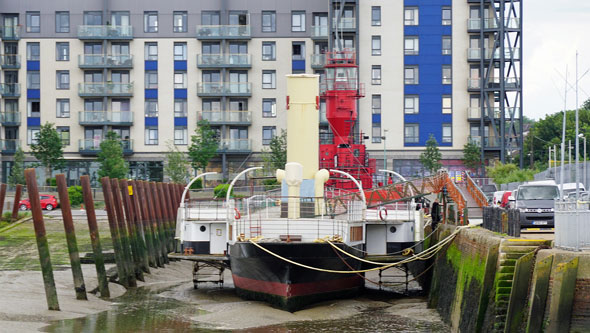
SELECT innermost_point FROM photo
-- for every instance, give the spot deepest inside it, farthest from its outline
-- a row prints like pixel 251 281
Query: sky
pixel 552 32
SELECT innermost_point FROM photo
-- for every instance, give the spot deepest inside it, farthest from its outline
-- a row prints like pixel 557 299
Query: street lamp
pixel 581 135
pixel 384 152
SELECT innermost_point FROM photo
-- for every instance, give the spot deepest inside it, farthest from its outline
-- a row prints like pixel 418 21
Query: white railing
pixel 572 225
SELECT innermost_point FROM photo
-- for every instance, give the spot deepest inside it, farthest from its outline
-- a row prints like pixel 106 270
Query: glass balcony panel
pixel 473 83
pixel 10 89
pixel 11 32
pixel 105 89
pixel 224 88
pixel 318 60
pixel 224 60
pixel 105 32
pixel 109 61
pixel 105 118
pixel 10 118
pixel 345 23
pixel 319 31
pixel 9 146
pixel 235 145
pixel 226 117
pixel 92 146
pixel 474 113
pixel 10 61
pixel 223 31
pixel 474 24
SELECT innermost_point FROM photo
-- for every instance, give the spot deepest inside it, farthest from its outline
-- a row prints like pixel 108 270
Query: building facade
pixel 150 70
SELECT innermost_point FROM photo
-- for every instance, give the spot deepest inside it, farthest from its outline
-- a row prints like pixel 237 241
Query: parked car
pixel 536 203
pixel 48 202
pixel 505 202
pixel 488 190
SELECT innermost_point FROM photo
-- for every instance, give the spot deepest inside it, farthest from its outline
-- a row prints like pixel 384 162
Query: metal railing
pixel 105 32
pixel 224 60
pixel 105 117
pixel 475 192
pixel 223 31
pixel 101 60
pixel 505 221
pixel 572 225
pixel 226 117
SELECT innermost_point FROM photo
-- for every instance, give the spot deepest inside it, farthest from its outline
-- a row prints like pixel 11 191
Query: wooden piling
pixel 138 222
pixel 66 213
pixel 166 217
pixel 148 227
pixel 2 198
pixel 119 257
pixel 122 230
pixel 131 230
pixel 172 210
pixel 40 235
pixel 154 222
pixel 160 221
pixel 15 206
pixel 103 285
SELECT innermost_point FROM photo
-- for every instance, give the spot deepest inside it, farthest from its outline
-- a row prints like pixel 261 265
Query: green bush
pixel 75 194
pixel 270 184
pixel 220 191
pixel 50 182
pixel 198 184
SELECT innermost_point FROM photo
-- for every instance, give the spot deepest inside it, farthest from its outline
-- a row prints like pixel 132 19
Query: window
pixel 151 107
pixel 298 51
pixel 120 105
pixel 180 135
pixel 446 45
pixel 376 45
pixel 63 79
pixel 64 134
pixel 120 18
pixel 376 104
pixel 268 51
pixel 210 18
pixel 33 22
pixel 33 51
pixel 269 21
pixel 447 104
pixel 376 75
pixel 179 51
pixel 269 79
pixel 63 108
pixel 62 51
pixel 411 133
pixel 376 133
pixel 268 132
pixel 269 108
pixel 411 45
pixel 33 108
pixel 411 16
pixel 150 21
pixel 151 135
pixel 411 104
pixel 376 15
pixel 180 22
pixel 33 80
pixel 180 80
pixel 411 75
pixel 447 133
pixel 92 18
pixel 62 21
pixel 447 76
pixel 446 16
pixel 32 135
pixel 151 80
pixel 298 21
pixel 151 51
pixel 180 108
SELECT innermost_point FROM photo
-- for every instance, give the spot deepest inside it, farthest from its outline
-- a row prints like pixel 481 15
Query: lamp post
pixel 384 138
pixel 581 135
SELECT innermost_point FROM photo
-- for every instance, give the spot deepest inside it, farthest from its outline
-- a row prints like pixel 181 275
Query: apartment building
pixel 150 70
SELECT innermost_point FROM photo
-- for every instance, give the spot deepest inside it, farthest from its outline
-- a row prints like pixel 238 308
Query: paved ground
pixel 548 235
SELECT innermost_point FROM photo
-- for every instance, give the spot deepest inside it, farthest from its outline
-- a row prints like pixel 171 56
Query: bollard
pixel 119 257
pixel 122 231
pixel 15 206
pixel 2 198
pixel 159 220
pixel 132 232
pixel 66 213
pixel 153 223
pixel 103 285
pixel 147 225
pixel 138 222
pixel 42 245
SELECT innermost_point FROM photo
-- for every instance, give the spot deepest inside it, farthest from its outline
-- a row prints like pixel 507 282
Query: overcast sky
pixel 553 31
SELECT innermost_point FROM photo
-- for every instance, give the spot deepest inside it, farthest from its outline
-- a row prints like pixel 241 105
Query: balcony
pixel 108 89
pixel 224 61
pixel 474 113
pixel 120 32
pixel 93 118
pixel 11 32
pixel 475 54
pixel 319 31
pixel 235 146
pixel 9 146
pixel 489 142
pixel 105 61
pixel 226 117
pixel 10 118
pixel 318 61
pixel 91 147
pixel 475 23
pixel 243 89
pixel 223 32
pixel 10 61
pixel 345 24
pixel 10 89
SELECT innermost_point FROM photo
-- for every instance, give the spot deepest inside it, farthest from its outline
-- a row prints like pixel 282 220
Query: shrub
pixel 198 184
pixel 270 184
pixel 220 191
pixel 75 194
pixel 50 182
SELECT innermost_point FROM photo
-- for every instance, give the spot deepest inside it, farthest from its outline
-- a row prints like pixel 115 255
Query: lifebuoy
pixel 383 213
pixel 238 215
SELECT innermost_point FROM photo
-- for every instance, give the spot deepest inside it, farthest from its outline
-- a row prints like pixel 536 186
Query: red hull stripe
pixel 298 289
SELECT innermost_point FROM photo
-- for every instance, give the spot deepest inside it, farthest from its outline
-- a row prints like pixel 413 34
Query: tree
pixel 177 165
pixel 471 155
pixel 276 156
pixel 110 157
pixel 17 173
pixel 509 173
pixel 431 157
pixel 48 149
pixel 204 145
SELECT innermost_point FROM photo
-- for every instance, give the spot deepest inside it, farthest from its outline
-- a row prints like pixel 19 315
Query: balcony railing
pixel 123 118
pixel 224 89
pixel 10 61
pixel 346 23
pixel 105 32
pixel 235 145
pixel 489 142
pixel 318 61
pixel 10 118
pixel 475 23
pixel 226 117
pixel 493 112
pixel 9 146
pixel 224 60
pixel 319 31
pixel 105 61
pixel 223 32
pixel 11 32
pixel 475 53
pixel 10 89
pixel 92 146
pixel 98 89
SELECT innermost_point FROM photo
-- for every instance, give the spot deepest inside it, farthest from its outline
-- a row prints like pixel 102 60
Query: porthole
pixel 392 230
pixel 203 228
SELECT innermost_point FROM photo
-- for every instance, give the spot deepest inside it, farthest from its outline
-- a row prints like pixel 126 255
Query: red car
pixel 48 202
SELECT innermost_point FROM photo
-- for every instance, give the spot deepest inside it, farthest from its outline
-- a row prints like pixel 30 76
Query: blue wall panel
pixel 298 65
pixel 33 65
pixel 151 65
pixel 151 121
pixel 151 93
pixel 180 121
pixel 180 65
pixel 33 121
pixel 180 93
pixel 34 93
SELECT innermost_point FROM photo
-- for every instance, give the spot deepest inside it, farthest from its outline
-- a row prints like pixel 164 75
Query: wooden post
pixel 66 213
pixel 169 203
pixel 138 222
pixel 103 285
pixel 118 205
pixel 15 206
pixel 160 221
pixel 148 227
pixel 154 223
pixel 133 239
pixel 109 207
pixel 166 216
pixel 2 198
pixel 40 235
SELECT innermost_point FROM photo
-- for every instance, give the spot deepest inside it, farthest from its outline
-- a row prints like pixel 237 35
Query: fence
pixel 505 221
pixel 572 225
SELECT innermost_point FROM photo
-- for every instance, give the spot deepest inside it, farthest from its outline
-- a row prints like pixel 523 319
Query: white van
pixel 497 198
pixel 569 188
